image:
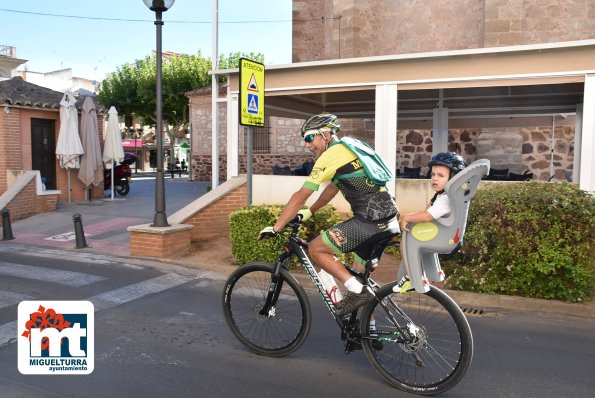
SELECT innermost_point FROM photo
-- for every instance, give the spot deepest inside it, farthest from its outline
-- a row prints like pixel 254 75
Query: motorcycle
pixel 122 175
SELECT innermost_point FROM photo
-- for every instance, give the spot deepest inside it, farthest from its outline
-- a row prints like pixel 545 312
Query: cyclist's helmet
pixel 451 160
pixel 321 121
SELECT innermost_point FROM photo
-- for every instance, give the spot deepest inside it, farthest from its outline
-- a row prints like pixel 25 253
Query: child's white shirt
pixel 441 206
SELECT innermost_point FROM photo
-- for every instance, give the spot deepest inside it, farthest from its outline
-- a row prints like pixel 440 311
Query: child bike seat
pixel 422 244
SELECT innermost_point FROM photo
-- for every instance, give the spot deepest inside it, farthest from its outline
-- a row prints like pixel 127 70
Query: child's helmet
pixel 451 160
pixel 323 120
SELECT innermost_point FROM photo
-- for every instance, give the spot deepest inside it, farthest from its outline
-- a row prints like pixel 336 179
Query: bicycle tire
pixel 442 354
pixel 275 335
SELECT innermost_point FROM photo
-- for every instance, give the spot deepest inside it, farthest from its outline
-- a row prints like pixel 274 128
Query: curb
pixel 477 301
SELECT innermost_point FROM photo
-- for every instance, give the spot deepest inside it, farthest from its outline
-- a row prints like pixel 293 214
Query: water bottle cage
pixel 333 295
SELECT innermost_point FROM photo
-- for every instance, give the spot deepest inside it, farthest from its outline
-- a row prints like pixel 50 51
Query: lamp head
pixel 159 5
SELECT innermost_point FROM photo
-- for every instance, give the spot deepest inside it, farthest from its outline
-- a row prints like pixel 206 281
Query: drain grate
pixel 472 311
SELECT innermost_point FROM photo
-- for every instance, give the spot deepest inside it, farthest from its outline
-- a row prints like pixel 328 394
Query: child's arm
pixel 439 208
pixel 422 216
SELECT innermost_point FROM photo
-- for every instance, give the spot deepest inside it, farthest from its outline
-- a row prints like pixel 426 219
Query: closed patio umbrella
pixel 69 147
pixel 113 151
pixel 91 171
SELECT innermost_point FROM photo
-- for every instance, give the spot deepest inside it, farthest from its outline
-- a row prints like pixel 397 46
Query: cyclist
pixel 374 209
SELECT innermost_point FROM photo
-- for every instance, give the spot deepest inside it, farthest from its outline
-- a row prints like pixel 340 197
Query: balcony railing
pixel 8 51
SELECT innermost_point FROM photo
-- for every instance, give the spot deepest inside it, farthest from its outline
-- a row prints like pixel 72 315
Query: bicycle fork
pixel 268 309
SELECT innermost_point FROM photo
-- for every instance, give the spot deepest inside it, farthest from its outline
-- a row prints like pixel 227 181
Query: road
pixel 159 331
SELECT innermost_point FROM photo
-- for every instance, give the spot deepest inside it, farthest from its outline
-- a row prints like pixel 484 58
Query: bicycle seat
pixel 377 251
pixel 422 244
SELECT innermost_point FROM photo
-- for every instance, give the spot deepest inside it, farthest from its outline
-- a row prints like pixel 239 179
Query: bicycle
pixel 420 343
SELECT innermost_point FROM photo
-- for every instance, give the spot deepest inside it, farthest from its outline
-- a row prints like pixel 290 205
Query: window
pixel 260 140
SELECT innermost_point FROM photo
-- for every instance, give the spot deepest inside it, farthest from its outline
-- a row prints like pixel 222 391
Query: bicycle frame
pixel 298 246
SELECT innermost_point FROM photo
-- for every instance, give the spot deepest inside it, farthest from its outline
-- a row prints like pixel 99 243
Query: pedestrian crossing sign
pixel 253 104
pixel 251 93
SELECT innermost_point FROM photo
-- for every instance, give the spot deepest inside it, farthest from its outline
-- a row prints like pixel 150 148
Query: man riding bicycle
pixel 374 209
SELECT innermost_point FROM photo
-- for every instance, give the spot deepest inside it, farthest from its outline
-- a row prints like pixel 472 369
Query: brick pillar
pixel 160 242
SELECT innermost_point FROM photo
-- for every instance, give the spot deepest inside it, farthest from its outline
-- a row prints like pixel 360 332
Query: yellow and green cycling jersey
pixel 341 166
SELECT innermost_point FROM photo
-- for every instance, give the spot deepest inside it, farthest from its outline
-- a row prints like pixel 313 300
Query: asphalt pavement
pixel 105 224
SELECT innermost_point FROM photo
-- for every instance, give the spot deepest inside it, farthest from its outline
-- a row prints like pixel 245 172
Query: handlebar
pixel 294 224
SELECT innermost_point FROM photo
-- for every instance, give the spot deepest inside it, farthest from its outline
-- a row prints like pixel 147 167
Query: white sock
pixel 353 285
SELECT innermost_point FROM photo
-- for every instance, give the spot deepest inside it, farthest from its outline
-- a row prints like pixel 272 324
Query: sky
pixel 95 37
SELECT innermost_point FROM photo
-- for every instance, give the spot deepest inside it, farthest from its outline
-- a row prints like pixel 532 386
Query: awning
pixel 131 143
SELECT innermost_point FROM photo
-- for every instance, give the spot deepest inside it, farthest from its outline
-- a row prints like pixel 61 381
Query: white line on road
pixel 137 290
pixel 45 274
pixel 11 298
pixel 8 331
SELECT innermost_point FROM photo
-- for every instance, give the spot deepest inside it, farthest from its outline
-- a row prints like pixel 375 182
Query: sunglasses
pixel 310 137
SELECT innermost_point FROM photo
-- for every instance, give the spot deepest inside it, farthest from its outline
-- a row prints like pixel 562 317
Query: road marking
pixel 113 298
pixel 45 274
pixel 65 237
pixel 10 298
pixel 8 333
pixel 135 291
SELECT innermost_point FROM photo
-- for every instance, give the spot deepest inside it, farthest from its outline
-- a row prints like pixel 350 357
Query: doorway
pixel 43 150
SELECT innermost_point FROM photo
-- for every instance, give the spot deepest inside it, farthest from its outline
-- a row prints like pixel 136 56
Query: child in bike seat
pixel 443 167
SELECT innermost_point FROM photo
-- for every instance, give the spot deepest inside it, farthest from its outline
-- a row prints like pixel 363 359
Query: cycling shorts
pixel 358 236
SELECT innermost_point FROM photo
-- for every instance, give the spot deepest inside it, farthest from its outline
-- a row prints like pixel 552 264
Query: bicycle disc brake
pixel 259 316
pixel 416 338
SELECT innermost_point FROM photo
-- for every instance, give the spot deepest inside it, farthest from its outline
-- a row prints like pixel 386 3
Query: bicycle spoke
pixel 283 327
pixel 427 344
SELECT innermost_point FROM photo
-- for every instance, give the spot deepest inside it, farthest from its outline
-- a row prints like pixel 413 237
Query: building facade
pixel 514 131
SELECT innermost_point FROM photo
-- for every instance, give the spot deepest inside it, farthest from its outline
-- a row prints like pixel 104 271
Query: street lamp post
pixel 160 219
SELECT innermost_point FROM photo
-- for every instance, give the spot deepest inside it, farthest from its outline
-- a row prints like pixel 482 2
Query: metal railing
pixel 260 140
pixel 8 51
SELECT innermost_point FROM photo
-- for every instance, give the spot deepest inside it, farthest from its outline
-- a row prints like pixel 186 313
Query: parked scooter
pixel 122 175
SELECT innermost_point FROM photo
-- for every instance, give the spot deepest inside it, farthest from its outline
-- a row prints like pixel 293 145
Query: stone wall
pixel 526 149
pixel 513 22
pixel 261 164
pixel 349 28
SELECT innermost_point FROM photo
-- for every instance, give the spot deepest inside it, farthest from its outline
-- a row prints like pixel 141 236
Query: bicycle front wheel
pixel 285 326
pixel 427 344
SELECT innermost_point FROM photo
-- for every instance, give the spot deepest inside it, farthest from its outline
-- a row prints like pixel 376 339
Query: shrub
pixel 246 223
pixel 528 239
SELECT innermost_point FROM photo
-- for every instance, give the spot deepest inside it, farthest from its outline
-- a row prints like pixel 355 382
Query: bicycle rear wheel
pixel 286 325
pixel 427 344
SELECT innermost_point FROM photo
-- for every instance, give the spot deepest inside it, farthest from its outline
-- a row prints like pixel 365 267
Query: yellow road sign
pixel 251 93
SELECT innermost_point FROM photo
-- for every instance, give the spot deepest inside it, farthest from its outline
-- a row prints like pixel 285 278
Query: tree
pixel 131 89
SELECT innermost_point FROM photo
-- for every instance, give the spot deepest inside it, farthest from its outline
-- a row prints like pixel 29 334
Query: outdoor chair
pixel 411 172
pixel 422 244
pixel 498 175
pixel 304 169
pixel 281 170
pixel 526 176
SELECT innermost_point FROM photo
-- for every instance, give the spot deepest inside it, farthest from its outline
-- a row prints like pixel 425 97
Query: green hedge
pixel 246 223
pixel 529 239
